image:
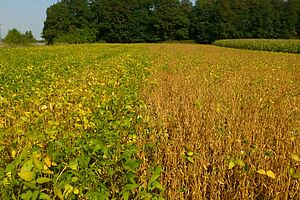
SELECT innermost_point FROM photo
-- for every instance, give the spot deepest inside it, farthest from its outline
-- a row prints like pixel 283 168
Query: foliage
pixel 14 37
pixel 70 122
pixel 154 21
pixel 79 37
pixel 290 46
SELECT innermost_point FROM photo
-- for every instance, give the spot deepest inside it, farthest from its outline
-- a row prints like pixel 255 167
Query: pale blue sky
pixel 24 15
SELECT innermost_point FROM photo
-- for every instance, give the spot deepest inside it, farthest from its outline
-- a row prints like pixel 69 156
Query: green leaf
pixel 43 180
pixel 295 157
pixel 83 161
pixel 125 195
pixel 27 166
pixel 44 196
pixel 132 165
pixel 58 193
pixel 27 195
pixel 157 185
pixel 97 196
pixel 155 175
pixel 73 165
pixel 231 164
pixel 271 174
pixel 30 185
pixel 293 173
pixel 268 153
pixel 131 187
pixel 27 176
pixel 34 195
pixel 38 164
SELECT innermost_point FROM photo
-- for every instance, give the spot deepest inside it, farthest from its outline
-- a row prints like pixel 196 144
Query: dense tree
pixel 77 21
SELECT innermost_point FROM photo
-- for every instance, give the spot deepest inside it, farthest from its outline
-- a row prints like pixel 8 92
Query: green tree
pixel 15 37
pixel 28 36
pixel 67 20
pixel 57 22
pixel 201 21
pixel 170 22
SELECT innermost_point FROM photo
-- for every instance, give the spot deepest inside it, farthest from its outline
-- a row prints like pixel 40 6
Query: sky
pixel 24 15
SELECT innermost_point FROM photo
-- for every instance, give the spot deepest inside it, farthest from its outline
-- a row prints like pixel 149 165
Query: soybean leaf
pixel 27 176
pixel 43 180
pixel 271 174
pixel 261 171
pixel 231 164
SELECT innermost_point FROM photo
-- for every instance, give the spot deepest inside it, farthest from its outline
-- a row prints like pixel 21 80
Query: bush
pixel 15 37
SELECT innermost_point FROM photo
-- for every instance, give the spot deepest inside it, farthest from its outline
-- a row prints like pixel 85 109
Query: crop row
pixel 289 46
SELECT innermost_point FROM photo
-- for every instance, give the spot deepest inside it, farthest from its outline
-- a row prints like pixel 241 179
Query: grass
pixel 147 121
pixel 276 45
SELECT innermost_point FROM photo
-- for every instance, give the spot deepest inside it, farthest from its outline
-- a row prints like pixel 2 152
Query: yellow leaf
pixel 38 164
pixel 231 164
pixel 44 107
pixel 47 171
pixel 58 193
pixel 68 190
pixel 27 166
pixel 218 108
pixel 47 161
pixel 27 176
pixel 271 174
pixel 73 165
pixel 261 171
pixel 76 191
pixel 240 162
pixel 295 157
pixel 293 138
pixel 13 153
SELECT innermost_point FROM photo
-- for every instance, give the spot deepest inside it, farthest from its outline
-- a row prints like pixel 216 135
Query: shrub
pixel 15 37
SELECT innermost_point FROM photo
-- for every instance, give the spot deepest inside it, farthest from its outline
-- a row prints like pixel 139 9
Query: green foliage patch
pixel 70 122
pixel 288 46
pixel 15 38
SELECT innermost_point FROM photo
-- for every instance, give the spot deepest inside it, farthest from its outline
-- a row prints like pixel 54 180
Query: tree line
pixel 15 37
pixel 80 21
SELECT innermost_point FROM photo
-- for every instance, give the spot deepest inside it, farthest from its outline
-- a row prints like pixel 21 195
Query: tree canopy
pixel 80 21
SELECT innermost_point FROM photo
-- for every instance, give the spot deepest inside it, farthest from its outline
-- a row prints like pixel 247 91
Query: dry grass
pixel 210 105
